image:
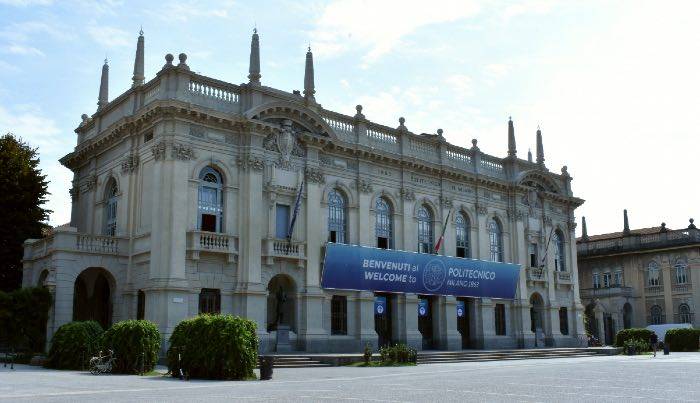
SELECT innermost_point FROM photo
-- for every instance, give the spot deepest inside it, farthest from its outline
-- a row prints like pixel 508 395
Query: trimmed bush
pixel 683 339
pixel 398 354
pixel 23 316
pixel 634 333
pixel 640 346
pixel 135 343
pixel 214 347
pixel 74 344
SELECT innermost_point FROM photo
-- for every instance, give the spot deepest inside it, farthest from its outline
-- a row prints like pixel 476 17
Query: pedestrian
pixel 654 341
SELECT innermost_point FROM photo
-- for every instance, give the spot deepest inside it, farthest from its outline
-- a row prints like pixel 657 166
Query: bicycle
pixel 102 364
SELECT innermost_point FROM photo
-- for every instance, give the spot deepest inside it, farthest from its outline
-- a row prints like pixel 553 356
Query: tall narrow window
pixel 111 197
pixel 532 250
pixel 425 230
pixel 210 300
pixel 656 315
pixel 684 315
pixel 681 272
pixel 563 320
pixel 339 315
pixel 495 240
pixel 559 251
pixel 500 319
pixel 619 280
pixel 384 225
pixel 210 200
pixel 653 274
pixel 462 235
pixel 141 305
pixel 596 280
pixel 282 221
pixel 337 230
pixel 606 279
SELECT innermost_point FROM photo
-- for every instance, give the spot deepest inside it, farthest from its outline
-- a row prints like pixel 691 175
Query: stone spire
pixel 254 68
pixel 529 155
pixel 309 90
pixel 626 229
pixel 584 229
pixel 540 148
pixel 138 77
pixel 511 139
pixel 103 99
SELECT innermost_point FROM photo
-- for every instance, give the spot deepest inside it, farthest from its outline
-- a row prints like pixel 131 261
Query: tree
pixel 23 191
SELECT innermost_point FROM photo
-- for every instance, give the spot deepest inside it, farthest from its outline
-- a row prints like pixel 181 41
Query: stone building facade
pixel 184 187
pixel 639 277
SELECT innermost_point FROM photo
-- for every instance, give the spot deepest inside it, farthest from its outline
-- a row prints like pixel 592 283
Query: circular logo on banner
pixel 434 275
pixel 380 309
pixel 460 312
pixel 421 311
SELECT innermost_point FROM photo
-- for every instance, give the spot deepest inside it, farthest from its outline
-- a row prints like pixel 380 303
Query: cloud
pixel 26 3
pixel 10 68
pixel 377 27
pixel 24 50
pixel 185 10
pixel 23 31
pixel 527 7
pixel 461 84
pixel 110 37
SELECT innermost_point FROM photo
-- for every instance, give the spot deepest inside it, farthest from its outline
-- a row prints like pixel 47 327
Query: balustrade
pixel 96 243
pixel 211 91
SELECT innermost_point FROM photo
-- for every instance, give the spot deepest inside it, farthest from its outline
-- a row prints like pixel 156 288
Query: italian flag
pixel 442 234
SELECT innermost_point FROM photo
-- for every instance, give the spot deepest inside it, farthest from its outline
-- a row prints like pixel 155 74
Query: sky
pixel 613 84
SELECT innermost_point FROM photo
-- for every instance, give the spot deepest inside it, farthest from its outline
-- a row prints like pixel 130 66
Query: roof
pixel 613 235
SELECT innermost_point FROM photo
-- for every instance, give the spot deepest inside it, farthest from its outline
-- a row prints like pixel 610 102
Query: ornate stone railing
pixel 536 274
pixel 284 249
pixel 459 158
pixel 562 277
pixel 654 289
pixel 67 239
pixel 381 136
pixel 681 288
pixel 152 93
pixel 491 165
pixel 639 242
pixel 213 94
pixel 420 148
pixel 213 242
pixel 343 128
pixel 606 292
pixel 96 243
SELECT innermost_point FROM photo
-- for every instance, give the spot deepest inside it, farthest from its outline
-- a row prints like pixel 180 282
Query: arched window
pixel 653 279
pixel 384 225
pixel 337 230
pixel 684 315
pixel 425 230
pixel 111 196
pixel 495 240
pixel 559 252
pixel 210 201
pixel 462 235
pixel 656 315
pixel 681 272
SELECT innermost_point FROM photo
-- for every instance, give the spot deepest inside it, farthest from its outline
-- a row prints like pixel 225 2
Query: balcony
pixel 212 242
pixel 562 277
pixel 284 249
pixel 536 274
pixel 681 288
pixel 608 292
pixel 67 239
pixel 637 242
pixel 654 290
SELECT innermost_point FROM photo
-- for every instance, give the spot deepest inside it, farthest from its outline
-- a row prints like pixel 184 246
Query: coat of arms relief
pixel 286 142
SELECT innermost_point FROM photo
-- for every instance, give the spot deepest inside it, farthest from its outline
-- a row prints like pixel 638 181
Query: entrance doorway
pixel 425 321
pixel 383 318
pixel 281 302
pixel 609 326
pixel 463 321
pixel 92 296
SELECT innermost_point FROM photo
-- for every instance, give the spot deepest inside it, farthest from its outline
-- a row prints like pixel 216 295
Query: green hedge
pixel 74 344
pixel 23 316
pixel 634 333
pixel 135 343
pixel 683 339
pixel 214 347
pixel 398 353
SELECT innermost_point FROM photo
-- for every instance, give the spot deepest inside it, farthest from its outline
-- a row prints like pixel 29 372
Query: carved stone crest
pixel 364 186
pixel 407 194
pixel 285 141
pixel 182 152
pixel 446 201
pixel 251 162
pixel 130 164
pixel 90 183
pixel 314 175
pixel 158 151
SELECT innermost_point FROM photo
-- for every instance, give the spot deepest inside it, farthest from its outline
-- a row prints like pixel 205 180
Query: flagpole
pixel 442 234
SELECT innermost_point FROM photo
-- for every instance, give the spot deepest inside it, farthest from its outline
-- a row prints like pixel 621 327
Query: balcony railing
pixel 67 239
pixel 285 249
pixel 562 277
pixel 681 288
pixel 212 242
pixel 654 289
pixel 536 274
pixel 606 292
pixel 639 242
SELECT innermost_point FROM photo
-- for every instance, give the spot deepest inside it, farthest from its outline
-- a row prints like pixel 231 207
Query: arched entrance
pixel 92 296
pixel 281 302
pixel 537 318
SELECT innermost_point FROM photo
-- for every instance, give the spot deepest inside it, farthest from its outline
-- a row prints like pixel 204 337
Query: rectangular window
pixel 563 320
pixel 210 300
pixel 618 279
pixel 282 221
pixel 533 255
pixel 681 274
pixel 382 243
pixel 500 318
pixel 147 137
pixel 596 280
pixel 339 315
pixel 461 252
pixel 606 280
pixel 141 305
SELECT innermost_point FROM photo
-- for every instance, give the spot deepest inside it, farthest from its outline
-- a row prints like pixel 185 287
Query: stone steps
pixel 297 361
pixel 467 356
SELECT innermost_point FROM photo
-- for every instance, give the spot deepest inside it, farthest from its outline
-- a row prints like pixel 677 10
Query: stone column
pixel 488 324
pixel 448 335
pixel 405 320
pixel 365 320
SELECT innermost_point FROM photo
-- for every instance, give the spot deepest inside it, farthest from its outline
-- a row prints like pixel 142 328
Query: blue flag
pixel 297 206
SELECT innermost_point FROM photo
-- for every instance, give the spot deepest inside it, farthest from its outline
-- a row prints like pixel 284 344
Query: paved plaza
pixel 604 378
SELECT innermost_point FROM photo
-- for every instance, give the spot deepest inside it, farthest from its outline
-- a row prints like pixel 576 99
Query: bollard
pixel 266 365
pixel 667 349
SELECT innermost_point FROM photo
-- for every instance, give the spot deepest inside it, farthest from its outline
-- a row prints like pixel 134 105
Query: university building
pixel 184 188
pixel 639 277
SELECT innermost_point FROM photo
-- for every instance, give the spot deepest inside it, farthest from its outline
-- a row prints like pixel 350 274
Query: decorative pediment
pixel 539 182
pixel 303 119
